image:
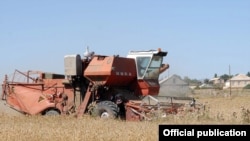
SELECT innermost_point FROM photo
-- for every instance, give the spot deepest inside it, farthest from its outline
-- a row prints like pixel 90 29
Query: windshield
pixel 147 69
pixel 142 64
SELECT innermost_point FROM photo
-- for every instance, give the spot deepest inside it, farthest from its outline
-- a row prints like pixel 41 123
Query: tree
pixel 206 81
pixel 248 74
pixel 192 81
pixel 215 75
pixel 225 77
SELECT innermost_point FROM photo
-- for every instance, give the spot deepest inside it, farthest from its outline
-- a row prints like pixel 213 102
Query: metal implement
pixel 104 86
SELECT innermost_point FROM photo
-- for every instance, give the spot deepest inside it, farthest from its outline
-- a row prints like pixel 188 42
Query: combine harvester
pixel 104 86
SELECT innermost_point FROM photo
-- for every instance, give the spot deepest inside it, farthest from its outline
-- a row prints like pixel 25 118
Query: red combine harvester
pixel 104 86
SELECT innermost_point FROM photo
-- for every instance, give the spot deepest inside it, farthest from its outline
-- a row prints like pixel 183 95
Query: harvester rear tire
pixel 52 113
pixel 106 110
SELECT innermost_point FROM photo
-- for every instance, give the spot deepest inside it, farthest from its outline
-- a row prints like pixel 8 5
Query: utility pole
pixel 230 80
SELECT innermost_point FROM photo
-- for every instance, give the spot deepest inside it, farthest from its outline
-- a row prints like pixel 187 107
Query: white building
pixel 238 81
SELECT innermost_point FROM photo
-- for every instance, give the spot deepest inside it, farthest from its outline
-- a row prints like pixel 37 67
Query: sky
pixel 202 37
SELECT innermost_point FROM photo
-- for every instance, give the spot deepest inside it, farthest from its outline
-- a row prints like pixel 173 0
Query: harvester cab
pixel 149 63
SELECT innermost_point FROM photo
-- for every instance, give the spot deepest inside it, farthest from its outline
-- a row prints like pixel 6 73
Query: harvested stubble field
pixel 220 108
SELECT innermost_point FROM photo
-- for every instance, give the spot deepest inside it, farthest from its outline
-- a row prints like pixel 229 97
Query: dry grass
pixel 69 128
pixel 219 109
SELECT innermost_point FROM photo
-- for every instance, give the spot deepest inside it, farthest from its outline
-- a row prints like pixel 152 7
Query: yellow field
pixel 219 109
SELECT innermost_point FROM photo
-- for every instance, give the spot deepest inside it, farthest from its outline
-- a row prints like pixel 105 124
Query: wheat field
pixel 220 108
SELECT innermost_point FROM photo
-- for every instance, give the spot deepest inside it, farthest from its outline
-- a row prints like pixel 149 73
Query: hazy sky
pixel 202 37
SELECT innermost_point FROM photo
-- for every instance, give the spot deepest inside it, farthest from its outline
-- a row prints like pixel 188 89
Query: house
pixel 238 81
pixel 174 86
pixel 217 80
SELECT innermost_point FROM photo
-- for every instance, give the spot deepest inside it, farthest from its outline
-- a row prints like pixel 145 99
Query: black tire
pixel 52 112
pixel 106 110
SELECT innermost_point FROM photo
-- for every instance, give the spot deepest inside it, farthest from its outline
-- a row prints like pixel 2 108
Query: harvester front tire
pixel 106 110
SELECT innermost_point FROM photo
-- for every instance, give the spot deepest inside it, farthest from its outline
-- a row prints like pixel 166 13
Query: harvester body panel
pixel 36 95
pixel 111 71
pixel 28 99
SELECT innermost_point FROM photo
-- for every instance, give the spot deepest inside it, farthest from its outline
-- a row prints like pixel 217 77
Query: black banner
pixel 202 132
